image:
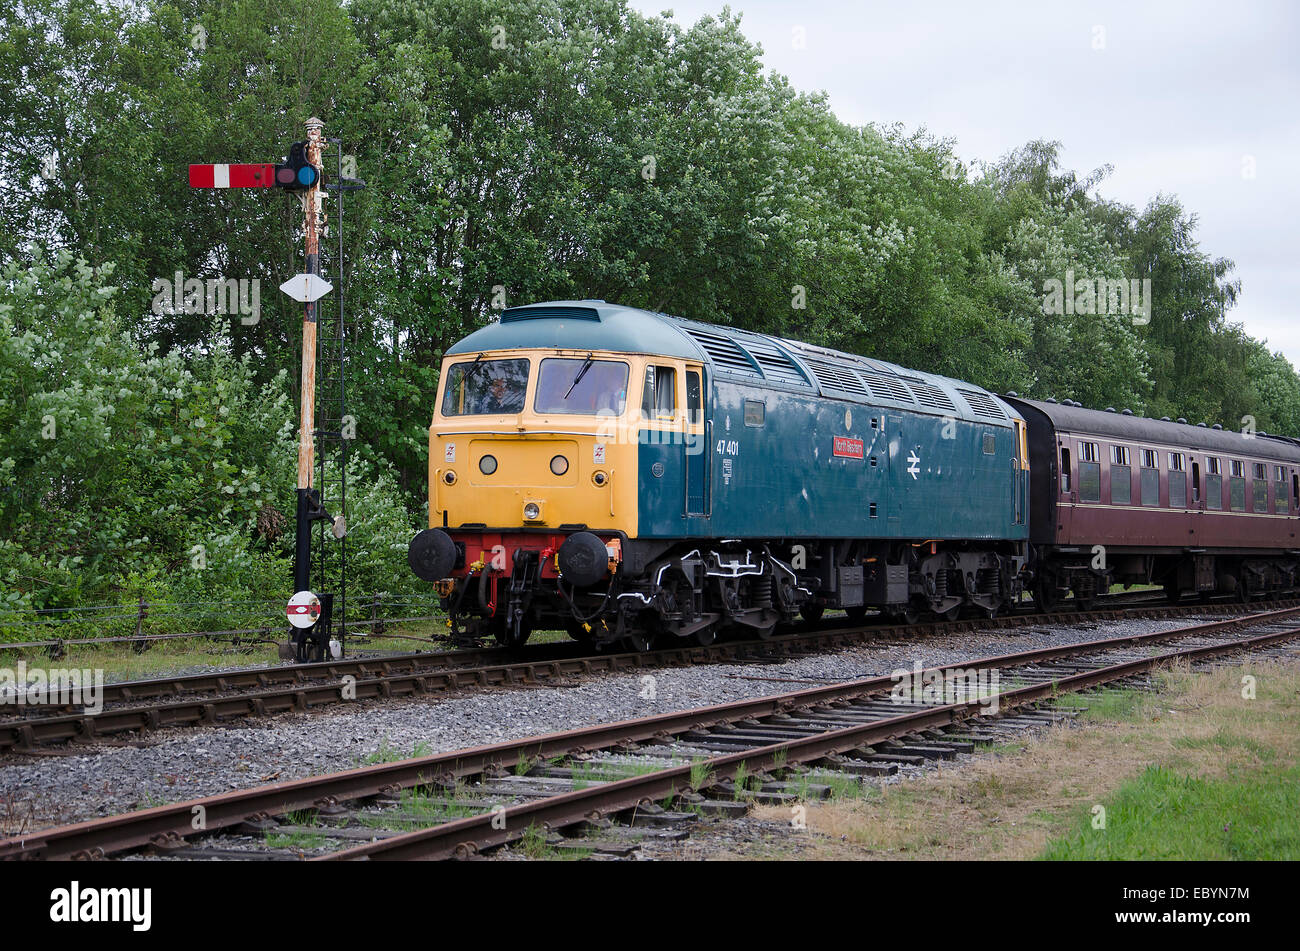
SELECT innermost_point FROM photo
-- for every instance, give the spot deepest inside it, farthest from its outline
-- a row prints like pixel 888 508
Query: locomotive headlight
pixel 487 465
pixel 449 477
pixel 559 465
pixel 532 512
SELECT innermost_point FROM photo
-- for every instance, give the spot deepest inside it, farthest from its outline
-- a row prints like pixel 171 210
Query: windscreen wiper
pixel 581 373
pixel 473 368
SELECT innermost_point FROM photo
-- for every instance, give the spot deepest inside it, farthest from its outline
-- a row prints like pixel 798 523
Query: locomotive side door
pixel 696 444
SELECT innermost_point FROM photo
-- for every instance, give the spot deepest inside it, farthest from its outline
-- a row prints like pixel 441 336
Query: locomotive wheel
pixel 707 635
pixel 812 613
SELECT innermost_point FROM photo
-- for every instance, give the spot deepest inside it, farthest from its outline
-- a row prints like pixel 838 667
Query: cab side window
pixel 694 399
pixel 660 399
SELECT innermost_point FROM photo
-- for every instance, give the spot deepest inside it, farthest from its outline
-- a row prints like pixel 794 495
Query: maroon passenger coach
pixel 1117 498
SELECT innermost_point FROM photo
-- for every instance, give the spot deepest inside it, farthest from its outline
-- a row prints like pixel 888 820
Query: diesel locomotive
pixel 632 476
pixel 627 475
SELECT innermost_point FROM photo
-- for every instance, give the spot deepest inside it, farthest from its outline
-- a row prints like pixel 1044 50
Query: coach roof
pixel 1140 429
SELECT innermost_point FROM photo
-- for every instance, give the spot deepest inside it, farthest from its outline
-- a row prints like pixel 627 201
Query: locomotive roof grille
pixel 527 313
pixel 887 387
pixel 929 395
pixel 983 404
pixel 776 366
pixel 836 378
pixel 724 352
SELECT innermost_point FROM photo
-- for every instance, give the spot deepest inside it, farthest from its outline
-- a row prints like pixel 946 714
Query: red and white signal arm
pixel 261 175
pixel 304 609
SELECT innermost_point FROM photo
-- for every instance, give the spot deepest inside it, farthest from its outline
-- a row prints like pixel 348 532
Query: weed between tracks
pixel 1194 771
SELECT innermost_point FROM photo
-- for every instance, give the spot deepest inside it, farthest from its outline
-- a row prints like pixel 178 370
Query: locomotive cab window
pixel 485 387
pixel 660 399
pixel 755 412
pixel 581 386
pixel 694 399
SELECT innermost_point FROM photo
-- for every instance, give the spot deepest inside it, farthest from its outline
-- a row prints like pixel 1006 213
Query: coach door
pixel 696 444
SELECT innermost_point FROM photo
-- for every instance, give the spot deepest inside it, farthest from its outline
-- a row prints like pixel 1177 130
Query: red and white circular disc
pixel 304 609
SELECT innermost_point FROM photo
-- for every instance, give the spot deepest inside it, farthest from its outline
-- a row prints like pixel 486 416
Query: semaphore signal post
pixel 309 614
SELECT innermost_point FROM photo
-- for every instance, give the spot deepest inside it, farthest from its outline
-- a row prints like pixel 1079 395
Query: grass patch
pixel 1194 770
pixel 296 840
pixel 387 753
pixel 1127 705
pixel 1164 814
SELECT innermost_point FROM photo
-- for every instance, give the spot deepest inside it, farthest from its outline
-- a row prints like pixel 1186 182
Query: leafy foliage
pixel 514 150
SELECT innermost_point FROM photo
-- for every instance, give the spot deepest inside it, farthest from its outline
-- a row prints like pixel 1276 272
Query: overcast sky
pixel 1198 100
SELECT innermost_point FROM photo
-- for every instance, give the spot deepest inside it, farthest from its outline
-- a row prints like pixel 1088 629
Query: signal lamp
pixel 559 465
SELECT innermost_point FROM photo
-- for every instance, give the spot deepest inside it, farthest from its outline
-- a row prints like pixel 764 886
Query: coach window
pixel 1237 485
pixel 1214 482
pixel 1150 477
pixel 1121 476
pixel 1177 480
pixel 1279 490
pixel 660 399
pixel 1259 486
pixel 1196 482
pixel 1089 473
pixel 1065 471
pixel 1295 490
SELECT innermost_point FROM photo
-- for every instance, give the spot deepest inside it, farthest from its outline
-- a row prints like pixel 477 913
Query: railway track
pixel 218 697
pixel 659 771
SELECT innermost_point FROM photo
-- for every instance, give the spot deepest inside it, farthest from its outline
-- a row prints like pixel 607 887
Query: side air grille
pixel 887 387
pixel 983 404
pixel 837 378
pixel 930 395
pixel 722 351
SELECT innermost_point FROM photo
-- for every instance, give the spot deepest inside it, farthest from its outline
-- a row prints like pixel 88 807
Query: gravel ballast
pixel 172 766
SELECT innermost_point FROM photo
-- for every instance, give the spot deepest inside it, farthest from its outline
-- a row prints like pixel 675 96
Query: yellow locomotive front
pixel 534 440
